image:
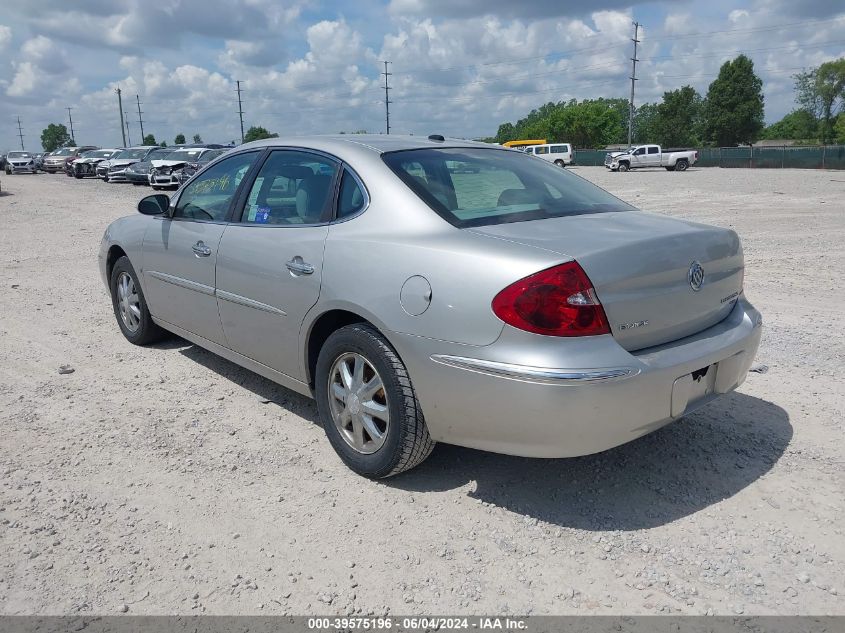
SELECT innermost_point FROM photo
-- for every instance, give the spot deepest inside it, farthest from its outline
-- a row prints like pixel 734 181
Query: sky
pixel 459 67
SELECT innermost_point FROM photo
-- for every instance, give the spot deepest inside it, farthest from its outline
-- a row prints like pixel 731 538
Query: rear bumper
pixel 543 397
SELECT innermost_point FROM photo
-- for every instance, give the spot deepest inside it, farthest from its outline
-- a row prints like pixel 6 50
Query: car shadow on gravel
pixel 266 390
pixel 676 471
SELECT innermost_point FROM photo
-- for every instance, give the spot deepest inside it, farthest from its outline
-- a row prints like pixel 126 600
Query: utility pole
pixel 386 97
pixel 240 109
pixel 120 109
pixel 20 133
pixel 634 61
pixel 140 120
pixel 128 138
pixel 70 118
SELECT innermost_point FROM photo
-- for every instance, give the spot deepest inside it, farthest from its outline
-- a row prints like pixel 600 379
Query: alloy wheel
pixel 358 403
pixel 128 302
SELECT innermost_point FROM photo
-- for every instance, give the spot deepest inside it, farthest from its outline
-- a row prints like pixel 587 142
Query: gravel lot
pixel 167 480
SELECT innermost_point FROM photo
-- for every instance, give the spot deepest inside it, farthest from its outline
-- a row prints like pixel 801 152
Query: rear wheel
pixel 130 306
pixel 367 404
pixel 681 165
pixel 670 169
pixel 560 163
pixel 623 166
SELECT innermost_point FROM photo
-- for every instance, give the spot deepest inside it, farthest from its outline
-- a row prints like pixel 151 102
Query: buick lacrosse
pixel 427 290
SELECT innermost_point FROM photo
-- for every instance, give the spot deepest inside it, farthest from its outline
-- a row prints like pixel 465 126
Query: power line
pixel 20 133
pixel 120 109
pixel 140 120
pixel 70 119
pixel 128 138
pixel 240 109
pixel 634 61
pixel 387 96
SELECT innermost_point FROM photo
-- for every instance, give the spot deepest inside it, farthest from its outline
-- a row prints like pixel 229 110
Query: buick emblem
pixel 695 276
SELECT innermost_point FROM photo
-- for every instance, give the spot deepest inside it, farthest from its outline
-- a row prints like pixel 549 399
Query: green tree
pixel 179 140
pixel 839 129
pixel 679 118
pixel 197 138
pixel 506 133
pixel 821 91
pixel 256 133
pixel 798 125
pixel 646 121
pixel 164 143
pixel 733 111
pixel 55 136
pixel 149 139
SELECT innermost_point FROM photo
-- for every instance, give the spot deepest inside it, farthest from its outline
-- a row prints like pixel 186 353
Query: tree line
pixel 56 136
pixel 731 113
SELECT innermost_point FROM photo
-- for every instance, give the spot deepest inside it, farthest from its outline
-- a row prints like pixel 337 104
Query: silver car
pixel 20 162
pixel 430 290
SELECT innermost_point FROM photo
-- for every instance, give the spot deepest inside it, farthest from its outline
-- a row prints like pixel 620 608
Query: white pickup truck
pixel 650 156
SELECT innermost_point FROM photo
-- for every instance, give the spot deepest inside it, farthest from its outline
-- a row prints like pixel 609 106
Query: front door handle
pixel 200 249
pixel 299 267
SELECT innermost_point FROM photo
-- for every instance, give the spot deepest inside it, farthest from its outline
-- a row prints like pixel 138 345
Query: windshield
pixel 19 155
pixel 186 155
pixel 100 153
pixel 131 153
pixel 65 151
pixel 479 187
pixel 210 156
pixel 158 154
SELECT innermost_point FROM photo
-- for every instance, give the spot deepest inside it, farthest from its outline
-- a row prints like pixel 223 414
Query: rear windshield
pixel 479 187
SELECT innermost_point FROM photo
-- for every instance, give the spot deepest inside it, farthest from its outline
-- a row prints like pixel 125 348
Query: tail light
pixel 558 301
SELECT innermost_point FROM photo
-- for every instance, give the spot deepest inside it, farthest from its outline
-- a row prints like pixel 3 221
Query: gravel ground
pixel 167 480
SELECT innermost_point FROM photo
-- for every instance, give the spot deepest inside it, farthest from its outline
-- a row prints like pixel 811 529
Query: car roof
pixel 379 143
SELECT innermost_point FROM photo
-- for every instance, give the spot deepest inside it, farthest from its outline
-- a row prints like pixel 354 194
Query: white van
pixel 560 154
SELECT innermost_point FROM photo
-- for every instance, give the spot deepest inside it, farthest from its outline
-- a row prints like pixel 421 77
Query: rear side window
pixel 495 186
pixel 652 150
pixel 560 149
pixel 542 149
pixel 351 199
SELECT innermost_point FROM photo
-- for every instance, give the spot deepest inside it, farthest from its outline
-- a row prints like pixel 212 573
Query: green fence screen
pixel 811 157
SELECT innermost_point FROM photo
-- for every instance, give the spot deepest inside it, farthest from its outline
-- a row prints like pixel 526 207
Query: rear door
pixel 653 156
pixel 270 262
pixel 180 251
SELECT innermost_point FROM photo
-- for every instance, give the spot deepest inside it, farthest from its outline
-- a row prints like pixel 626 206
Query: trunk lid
pixel 640 264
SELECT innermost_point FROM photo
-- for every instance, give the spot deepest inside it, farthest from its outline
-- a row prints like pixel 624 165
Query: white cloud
pixel 5 36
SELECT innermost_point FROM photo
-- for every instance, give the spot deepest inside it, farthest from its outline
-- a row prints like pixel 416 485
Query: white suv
pixel 561 154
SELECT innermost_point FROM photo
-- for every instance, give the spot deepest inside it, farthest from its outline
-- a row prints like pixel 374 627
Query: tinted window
pixel 497 187
pixel 209 196
pixel 131 153
pixel 542 149
pixel 560 149
pixel 652 150
pixel 351 199
pixel 292 187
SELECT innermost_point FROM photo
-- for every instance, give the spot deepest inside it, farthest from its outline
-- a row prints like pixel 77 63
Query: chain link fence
pixel 810 157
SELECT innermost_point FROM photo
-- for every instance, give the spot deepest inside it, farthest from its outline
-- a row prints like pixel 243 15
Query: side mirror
pixel 154 205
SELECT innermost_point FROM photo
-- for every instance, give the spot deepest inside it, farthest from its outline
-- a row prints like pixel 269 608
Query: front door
pixel 180 253
pixel 269 267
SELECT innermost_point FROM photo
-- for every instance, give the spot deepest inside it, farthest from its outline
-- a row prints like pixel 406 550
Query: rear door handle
pixel 200 249
pixel 299 267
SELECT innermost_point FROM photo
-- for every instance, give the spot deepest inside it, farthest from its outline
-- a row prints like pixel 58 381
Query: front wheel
pixel 681 165
pixel 130 306
pixel 623 166
pixel 367 404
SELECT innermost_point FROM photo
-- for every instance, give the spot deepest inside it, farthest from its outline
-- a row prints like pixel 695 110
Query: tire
pixel 560 163
pixel 405 441
pixel 670 169
pixel 623 166
pixel 682 165
pixel 156 188
pixel 146 331
pixel 78 176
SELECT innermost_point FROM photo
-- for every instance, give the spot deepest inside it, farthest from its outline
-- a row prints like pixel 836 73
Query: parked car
pixel 129 156
pixel 57 161
pixel 139 173
pixel 165 173
pixel 39 159
pixel 561 154
pixel 86 165
pixel 519 309
pixel 189 169
pixel 650 156
pixel 19 163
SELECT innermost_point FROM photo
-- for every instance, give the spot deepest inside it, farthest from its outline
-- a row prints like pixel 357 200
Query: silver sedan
pixel 426 290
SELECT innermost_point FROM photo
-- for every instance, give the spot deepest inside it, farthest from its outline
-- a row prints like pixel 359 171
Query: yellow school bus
pixel 525 143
